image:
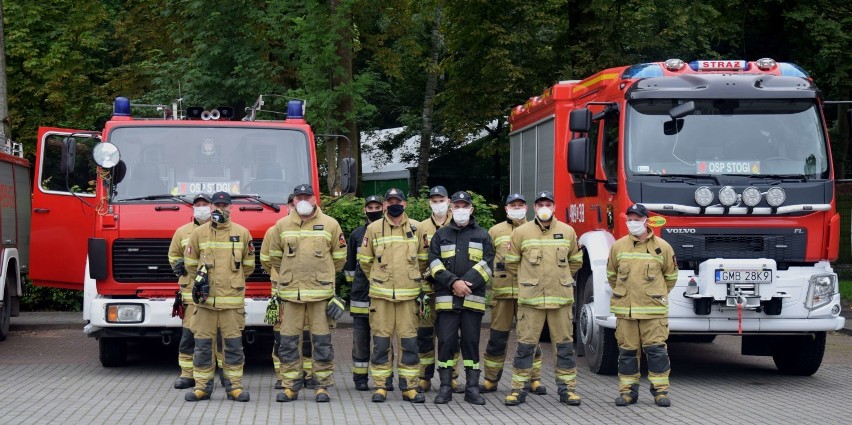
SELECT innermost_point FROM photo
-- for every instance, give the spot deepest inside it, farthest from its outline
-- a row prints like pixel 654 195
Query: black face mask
pixel 395 210
pixel 374 215
pixel 220 216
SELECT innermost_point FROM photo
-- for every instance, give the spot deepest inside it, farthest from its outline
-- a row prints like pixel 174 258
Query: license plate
pixel 743 276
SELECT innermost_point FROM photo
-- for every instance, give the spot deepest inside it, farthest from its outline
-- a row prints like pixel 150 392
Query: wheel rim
pixel 587 326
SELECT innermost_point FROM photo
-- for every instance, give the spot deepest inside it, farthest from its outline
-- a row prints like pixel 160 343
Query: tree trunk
pixel 428 103
pixel 339 148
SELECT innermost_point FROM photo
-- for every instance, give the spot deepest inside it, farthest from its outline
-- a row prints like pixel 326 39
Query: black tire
pixel 599 345
pixel 113 351
pixel 6 310
pixel 799 355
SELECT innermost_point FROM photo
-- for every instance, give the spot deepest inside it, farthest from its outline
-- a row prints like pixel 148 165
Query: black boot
pixel 471 392
pixel 445 392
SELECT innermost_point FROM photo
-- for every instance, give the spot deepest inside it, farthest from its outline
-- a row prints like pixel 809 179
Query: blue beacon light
pixel 121 107
pixel 295 109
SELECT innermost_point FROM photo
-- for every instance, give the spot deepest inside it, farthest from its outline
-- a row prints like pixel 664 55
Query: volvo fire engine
pixel 732 159
pixel 14 230
pixel 106 205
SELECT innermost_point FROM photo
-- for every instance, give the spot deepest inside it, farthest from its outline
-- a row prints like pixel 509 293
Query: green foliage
pixel 846 291
pixel 347 210
pixel 41 298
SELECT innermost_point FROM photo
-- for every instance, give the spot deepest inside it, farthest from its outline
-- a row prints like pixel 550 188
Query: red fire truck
pixel 14 230
pixel 732 159
pixel 106 205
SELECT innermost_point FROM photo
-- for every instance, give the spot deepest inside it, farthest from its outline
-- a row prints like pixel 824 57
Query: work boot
pixel 278 385
pixel 184 383
pixel 238 395
pixel 362 386
pixel 458 387
pixel 488 386
pixel 321 395
pixel 309 382
pixel 389 383
pixel 515 398
pixel 471 394
pixel 662 400
pixel 424 385
pixel 380 395
pixel 626 399
pixel 537 388
pixel 413 396
pixel 569 397
pixel 287 395
pixel 226 383
pixel 197 395
pixel 445 391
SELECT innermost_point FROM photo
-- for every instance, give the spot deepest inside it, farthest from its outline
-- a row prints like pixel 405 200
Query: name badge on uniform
pixel 318 227
pixel 557 236
pixel 235 239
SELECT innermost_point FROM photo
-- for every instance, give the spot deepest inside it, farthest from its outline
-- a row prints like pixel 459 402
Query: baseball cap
pixel 372 198
pixel 201 197
pixel 544 194
pixel 515 197
pixel 222 198
pixel 438 190
pixel 638 209
pixel 303 189
pixel 461 196
pixel 394 193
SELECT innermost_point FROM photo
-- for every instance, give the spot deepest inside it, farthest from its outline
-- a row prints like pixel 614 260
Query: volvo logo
pixel 680 230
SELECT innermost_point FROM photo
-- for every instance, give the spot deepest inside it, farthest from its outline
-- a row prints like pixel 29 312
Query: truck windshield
pixel 189 160
pixel 762 137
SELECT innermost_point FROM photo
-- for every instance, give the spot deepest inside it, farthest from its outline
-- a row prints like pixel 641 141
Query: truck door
pixel 63 210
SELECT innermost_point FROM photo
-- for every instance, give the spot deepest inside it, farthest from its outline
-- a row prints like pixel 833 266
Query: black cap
pixel 373 198
pixel 394 193
pixel 290 198
pixel 515 197
pixel 303 189
pixel 638 209
pixel 544 194
pixel 461 196
pixel 201 197
pixel 439 190
pixel 222 198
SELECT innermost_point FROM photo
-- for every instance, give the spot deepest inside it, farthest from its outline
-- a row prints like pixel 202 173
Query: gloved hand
pixel 179 268
pixel 423 308
pixel 272 311
pixel 177 307
pixel 201 289
pixel 336 307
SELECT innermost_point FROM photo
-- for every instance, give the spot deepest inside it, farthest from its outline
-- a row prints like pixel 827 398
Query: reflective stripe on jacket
pixel 389 259
pixel 176 249
pixel 429 227
pixel 505 284
pixel 461 253
pixel 641 275
pixel 227 251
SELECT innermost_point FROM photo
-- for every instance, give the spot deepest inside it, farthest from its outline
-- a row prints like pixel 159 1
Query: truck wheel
pixel 6 312
pixel 799 355
pixel 599 345
pixel 113 351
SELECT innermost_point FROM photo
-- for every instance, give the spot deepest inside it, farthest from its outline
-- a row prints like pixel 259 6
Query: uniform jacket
pixel 641 274
pixel 545 259
pixel 389 259
pixel 229 255
pixel 359 295
pixel 176 249
pixel 429 227
pixel 504 283
pixel 464 253
pixel 304 256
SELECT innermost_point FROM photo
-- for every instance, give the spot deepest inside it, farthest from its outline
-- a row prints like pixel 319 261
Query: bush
pixel 43 298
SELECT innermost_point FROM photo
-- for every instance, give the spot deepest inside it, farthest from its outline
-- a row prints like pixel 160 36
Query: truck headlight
pixel 703 196
pixel 751 196
pixel 125 313
pixel 727 196
pixel 775 196
pixel 821 290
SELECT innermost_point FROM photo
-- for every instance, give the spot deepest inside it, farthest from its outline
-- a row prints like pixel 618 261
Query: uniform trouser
pixel 186 347
pixel 389 318
pixel 206 324
pixel 290 345
pixel 651 336
pixel 503 312
pixel 450 326
pixel 360 348
pixel 426 343
pixel 307 364
pixel 530 324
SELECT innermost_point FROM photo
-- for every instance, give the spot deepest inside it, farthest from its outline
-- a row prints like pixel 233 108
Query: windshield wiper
pixel 273 206
pixel 156 197
pixel 795 177
pixel 681 178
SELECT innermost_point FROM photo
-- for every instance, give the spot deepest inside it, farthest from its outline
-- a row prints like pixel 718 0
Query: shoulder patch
pixel 365 241
pixel 425 240
pixel 318 227
pixel 342 240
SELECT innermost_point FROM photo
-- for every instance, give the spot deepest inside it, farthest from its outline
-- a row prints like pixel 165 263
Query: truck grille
pixel 146 260
pixel 778 244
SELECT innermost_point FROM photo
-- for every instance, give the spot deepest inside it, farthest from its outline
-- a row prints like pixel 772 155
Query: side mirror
pixel 348 175
pixel 578 156
pixel 69 155
pixel 580 120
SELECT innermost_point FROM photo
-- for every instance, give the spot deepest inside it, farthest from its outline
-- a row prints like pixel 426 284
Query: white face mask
pixel 544 214
pixel 304 208
pixel 201 213
pixel 440 209
pixel 517 214
pixel 636 228
pixel 462 215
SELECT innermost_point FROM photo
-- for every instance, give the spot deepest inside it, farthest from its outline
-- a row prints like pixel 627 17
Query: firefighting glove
pixel 336 307
pixel 423 306
pixel 179 268
pixel 177 307
pixel 272 311
pixel 201 289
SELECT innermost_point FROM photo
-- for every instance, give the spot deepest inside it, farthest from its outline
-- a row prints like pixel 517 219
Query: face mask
pixel 395 210
pixel 636 228
pixel 517 214
pixel 374 215
pixel 220 216
pixel 440 209
pixel 304 208
pixel 462 215
pixel 544 214
pixel 201 213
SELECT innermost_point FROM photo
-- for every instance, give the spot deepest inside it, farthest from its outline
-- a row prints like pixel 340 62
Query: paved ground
pixel 51 374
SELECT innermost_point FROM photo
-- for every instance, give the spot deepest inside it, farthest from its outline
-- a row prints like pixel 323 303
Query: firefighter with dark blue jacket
pixel 460 261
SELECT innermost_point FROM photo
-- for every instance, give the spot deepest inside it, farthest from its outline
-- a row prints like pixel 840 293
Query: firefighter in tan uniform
pixel 641 270
pixel 504 304
pixel 313 250
pixel 545 255
pixel 439 202
pixel 219 255
pixel 389 259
